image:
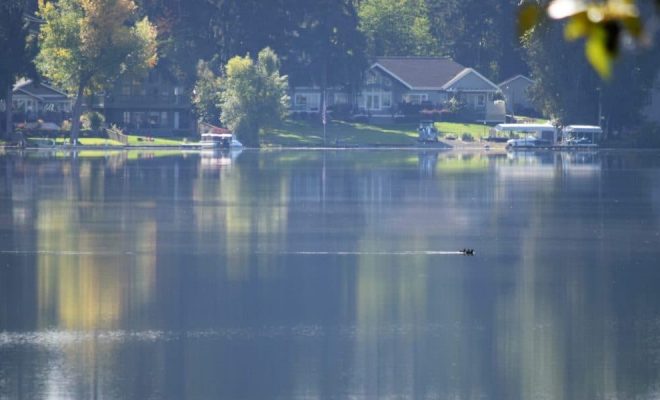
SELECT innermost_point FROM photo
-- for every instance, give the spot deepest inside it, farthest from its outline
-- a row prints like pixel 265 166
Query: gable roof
pixel 38 90
pixel 513 78
pixel 420 73
pixel 466 72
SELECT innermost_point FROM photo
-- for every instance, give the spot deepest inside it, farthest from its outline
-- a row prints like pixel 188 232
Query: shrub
pixel 92 120
pixel 340 111
pixel 467 137
pixel 431 114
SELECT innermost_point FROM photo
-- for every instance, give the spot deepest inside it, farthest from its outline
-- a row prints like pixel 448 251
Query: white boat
pixel 219 141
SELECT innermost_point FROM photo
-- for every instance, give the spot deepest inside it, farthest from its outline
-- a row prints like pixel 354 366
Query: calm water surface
pixel 324 275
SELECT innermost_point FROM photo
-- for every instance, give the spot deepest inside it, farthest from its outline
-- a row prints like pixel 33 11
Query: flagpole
pixel 324 116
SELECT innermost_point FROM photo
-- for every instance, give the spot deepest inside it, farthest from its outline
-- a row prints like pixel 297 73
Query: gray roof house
pixel 392 81
pixel 515 91
pixel 38 100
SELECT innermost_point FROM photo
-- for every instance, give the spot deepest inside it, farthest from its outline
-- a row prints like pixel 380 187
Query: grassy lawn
pixel 83 141
pixel 457 129
pixel 152 141
pixel 306 133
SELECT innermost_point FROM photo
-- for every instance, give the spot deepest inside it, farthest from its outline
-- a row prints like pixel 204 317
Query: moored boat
pixel 219 141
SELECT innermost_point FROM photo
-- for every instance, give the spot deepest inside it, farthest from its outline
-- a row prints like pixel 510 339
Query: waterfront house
pixel 33 101
pixel 156 105
pixel 391 83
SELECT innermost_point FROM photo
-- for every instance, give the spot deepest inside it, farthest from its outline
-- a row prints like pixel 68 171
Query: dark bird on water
pixel 468 252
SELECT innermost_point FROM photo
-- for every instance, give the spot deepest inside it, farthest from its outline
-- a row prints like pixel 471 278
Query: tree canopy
pixel 18 50
pixel 397 28
pixel 253 95
pixel 86 44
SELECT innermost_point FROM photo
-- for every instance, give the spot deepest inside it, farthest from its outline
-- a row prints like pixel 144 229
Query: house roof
pixel 39 90
pixel 428 73
pixel 466 72
pixel 513 78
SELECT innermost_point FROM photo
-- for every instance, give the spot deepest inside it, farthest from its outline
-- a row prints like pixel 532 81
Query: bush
pixel 467 137
pixel 409 109
pixel 92 120
pixel 340 111
pixel 431 114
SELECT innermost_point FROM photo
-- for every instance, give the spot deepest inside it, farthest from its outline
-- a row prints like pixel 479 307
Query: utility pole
pixel 600 108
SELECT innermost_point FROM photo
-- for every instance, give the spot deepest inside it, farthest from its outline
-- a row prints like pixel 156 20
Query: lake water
pixel 329 275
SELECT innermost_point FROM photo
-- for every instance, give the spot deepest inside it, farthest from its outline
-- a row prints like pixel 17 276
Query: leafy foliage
pixel 253 95
pixel 478 34
pixel 18 49
pixel 86 44
pixel 206 96
pixel 567 87
pixel 603 24
pixel 397 28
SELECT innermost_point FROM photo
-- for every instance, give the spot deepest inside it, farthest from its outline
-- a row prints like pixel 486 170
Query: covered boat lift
pixel 504 132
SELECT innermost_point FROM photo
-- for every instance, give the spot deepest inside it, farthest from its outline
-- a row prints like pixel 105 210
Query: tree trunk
pixel 75 115
pixel 9 112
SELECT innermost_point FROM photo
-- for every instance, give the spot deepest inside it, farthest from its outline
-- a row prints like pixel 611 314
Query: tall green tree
pixel 397 28
pixel 18 51
pixel 566 86
pixel 327 49
pixel 253 95
pixel 479 34
pixel 206 95
pixel 604 24
pixel 86 44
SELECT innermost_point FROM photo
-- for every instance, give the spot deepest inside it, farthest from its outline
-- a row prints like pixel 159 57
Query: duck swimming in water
pixel 467 252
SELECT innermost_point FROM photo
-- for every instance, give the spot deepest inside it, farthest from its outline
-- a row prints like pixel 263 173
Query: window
pixel 154 119
pixel 481 100
pixel 126 117
pixel 416 98
pixel 372 78
pixel 387 100
pixel 301 100
pixel 373 102
pixel 341 98
pixel 307 101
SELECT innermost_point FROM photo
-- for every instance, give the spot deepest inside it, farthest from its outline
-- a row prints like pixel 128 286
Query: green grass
pixel 152 141
pixel 457 129
pixel 306 134
pixel 83 141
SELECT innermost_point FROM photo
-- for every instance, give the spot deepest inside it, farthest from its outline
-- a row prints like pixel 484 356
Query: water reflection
pixel 325 274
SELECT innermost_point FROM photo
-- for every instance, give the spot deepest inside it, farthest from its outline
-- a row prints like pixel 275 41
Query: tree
pixel 397 28
pixel 87 44
pixel 253 95
pixel 566 87
pixel 326 48
pixel 478 34
pixel 206 96
pixel 604 24
pixel 18 50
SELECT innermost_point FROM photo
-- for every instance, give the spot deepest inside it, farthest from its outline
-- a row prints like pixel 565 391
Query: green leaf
pixel 597 53
pixel 578 26
pixel 528 16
